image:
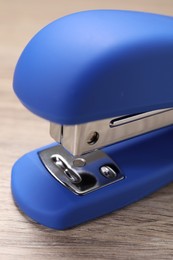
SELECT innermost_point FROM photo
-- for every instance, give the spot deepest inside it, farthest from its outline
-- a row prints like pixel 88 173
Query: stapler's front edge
pixel 108 95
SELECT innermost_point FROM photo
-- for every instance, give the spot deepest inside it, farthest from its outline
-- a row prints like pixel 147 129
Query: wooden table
pixel 141 231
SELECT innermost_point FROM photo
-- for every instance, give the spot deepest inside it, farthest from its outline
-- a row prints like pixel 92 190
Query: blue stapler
pixel 104 79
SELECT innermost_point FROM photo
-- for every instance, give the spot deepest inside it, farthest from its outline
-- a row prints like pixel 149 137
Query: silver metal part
pixel 83 138
pixel 79 162
pixel 81 180
pixel 108 172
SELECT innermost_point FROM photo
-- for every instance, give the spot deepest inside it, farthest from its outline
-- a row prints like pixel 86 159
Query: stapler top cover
pixel 97 64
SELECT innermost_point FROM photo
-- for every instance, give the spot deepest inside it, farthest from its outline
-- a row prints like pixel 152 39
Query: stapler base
pixel 146 162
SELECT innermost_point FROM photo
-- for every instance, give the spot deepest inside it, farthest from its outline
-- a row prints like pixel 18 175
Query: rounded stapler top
pixel 97 64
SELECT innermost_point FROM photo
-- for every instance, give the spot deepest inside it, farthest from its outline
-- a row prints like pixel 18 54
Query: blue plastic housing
pixel 79 63
pixel 146 161
pixel 88 66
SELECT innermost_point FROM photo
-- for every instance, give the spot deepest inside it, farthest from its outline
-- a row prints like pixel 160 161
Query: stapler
pixel 104 79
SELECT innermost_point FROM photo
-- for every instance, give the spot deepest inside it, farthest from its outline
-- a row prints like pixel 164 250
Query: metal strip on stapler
pixel 80 174
pixel 83 138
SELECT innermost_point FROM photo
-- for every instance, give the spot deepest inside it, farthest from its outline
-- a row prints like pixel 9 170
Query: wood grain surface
pixel 143 230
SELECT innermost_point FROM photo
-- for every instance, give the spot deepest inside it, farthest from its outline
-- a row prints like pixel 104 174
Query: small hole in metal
pixel 54 158
pixel 69 175
pixel 93 138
